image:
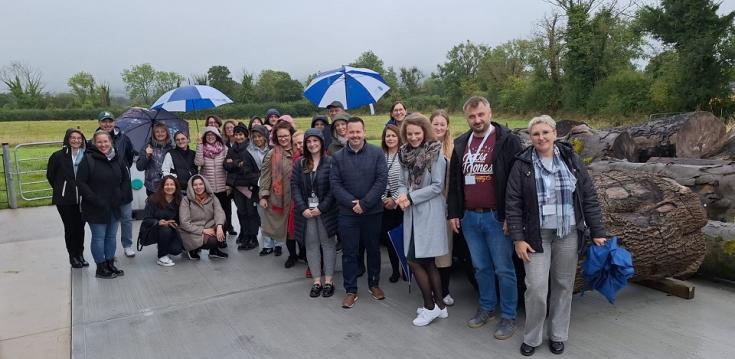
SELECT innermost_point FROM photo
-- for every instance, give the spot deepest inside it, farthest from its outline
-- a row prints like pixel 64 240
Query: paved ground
pixel 251 307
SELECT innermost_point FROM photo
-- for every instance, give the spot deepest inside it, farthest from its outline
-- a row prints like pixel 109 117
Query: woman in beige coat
pixel 275 189
pixel 202 219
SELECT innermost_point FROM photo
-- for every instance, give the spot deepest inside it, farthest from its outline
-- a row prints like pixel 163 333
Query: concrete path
pixel 251 307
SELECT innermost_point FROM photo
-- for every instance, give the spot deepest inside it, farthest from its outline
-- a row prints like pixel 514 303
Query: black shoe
pixel 527 350
pixel 238 240
pixel 394 277
pixel 103 271
pixel 111 264
pixel 231 232
pixel 193 254
pixel 556 347
pixel 290 262
pixel 222 244
pixel 265 251
pixel 75 263
pixel 242 247
pixel 215 253
pixel 278 251
pixel 83 261
pixel 316 290
pixel 251 244
pixel 328 290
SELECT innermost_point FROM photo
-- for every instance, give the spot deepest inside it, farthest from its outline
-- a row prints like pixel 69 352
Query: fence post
pixel 9 183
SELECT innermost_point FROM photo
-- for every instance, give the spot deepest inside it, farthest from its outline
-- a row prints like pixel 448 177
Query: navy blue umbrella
pixel 396 239
pixel 608 268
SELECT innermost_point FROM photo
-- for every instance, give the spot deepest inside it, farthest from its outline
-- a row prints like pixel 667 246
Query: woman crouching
pixel 162 220
pixel 202 220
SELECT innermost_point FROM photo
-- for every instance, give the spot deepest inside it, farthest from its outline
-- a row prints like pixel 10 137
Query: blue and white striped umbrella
pixel 352 86
pixel 191 98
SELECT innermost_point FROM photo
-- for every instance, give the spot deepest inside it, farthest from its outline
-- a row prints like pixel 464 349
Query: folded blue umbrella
pixel 608 268
pixel 396 239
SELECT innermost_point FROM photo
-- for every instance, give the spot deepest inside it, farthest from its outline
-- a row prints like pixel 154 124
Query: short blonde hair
pixel 543 119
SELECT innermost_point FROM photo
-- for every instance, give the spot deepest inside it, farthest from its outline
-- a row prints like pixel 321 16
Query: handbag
pixel 146 235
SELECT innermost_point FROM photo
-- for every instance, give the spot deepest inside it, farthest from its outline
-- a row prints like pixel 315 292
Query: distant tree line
pixel 587 58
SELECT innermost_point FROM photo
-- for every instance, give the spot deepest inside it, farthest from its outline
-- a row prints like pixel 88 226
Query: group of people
pixel 327 189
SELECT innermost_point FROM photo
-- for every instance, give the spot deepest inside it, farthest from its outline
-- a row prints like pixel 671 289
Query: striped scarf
pixel 559 183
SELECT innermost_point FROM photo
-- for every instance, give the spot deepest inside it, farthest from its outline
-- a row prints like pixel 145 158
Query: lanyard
pixel 390 164
pixel 470 157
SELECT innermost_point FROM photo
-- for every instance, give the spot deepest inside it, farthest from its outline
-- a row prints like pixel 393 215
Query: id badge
pixel 469 180
pixel 548 209
pixel 313 201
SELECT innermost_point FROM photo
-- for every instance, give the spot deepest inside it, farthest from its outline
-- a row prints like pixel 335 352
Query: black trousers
pixel 356 230
pixel 226 202
pixel 73 228
pixel 169 241
pixel 247 214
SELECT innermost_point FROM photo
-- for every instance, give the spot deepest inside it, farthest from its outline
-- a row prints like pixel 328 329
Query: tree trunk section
pixel 712 180
pixel 655 218
pixel 692 134
pixel 594 145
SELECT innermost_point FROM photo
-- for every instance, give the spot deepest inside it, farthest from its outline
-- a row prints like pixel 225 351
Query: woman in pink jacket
pixel 210 157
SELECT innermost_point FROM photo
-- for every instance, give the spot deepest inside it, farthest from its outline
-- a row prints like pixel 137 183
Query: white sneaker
pixel 448 300
pixel 426 316
pixel 165 261
pixel 129 252
pixel 444 313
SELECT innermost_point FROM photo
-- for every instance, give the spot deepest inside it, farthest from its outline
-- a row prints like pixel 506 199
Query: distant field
pixel 16 132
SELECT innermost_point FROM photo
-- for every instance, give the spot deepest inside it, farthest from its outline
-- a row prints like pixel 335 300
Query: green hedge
pixel 298 108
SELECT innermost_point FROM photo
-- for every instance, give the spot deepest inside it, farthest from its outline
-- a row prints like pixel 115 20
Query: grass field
pixel 31 160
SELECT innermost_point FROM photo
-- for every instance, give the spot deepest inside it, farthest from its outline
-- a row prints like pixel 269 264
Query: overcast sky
pixel 61 38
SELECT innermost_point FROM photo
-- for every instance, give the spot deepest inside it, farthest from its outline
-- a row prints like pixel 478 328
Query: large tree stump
pixel 693 134
pixel 712 180
pixel 593 145
pixel 656 219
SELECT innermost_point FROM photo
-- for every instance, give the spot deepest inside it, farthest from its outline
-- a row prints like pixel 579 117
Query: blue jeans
pixel 492 256
pixel 103 240
pixel 126 225
pixel 355 231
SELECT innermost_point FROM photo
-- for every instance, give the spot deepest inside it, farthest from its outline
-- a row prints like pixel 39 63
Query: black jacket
pixel 103 186
pixel 123 145
pixel 242 170
pixel 152 214
pixel 361 175
pixel 184 166
pixel 522 204
pixel 60 175
pixel 301 188
pixel 507 145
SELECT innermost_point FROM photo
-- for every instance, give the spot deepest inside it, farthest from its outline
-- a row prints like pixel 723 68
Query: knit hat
pixel 272 112
pixel 240 127
pixel 286 118
pixel 261 130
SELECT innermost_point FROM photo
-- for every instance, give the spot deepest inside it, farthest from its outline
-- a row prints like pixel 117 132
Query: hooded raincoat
pixel 194 217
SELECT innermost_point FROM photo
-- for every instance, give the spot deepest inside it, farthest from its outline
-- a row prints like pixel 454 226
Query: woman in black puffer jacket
pixel 242 176
pixel 61 174
pixel 104 184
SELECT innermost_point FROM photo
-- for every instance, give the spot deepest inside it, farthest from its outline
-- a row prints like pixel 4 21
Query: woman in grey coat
pixel 202 219
pixel 423 172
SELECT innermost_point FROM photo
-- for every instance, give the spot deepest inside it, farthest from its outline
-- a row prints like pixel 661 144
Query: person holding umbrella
pixel 549 199
pixel 151 157
pixel 423 173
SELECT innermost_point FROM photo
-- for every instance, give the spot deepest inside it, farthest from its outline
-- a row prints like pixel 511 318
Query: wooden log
pixel 713 181
pixel 658 220
pixel 693 134
pixel 593 145
pixel 719 263
pixel 673 286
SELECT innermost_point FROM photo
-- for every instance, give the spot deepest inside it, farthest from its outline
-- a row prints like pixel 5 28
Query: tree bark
pixel 713 181
pixel 720 259
pixel 655 218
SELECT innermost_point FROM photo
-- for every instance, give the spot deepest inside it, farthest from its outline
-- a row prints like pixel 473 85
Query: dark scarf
pixel 418 160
